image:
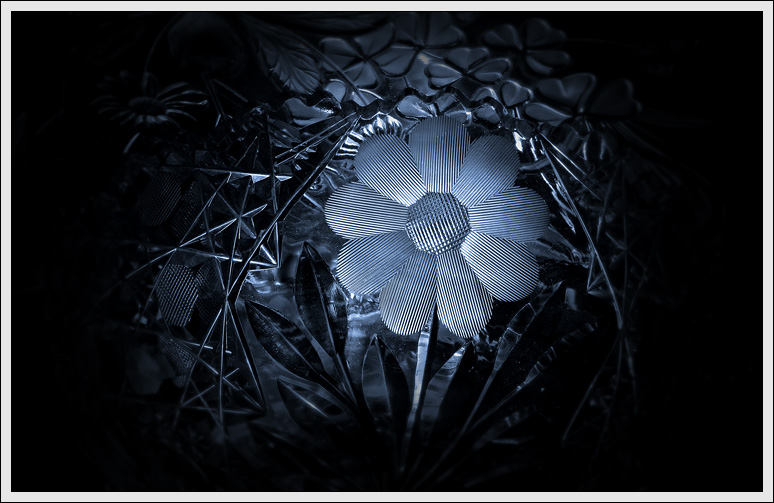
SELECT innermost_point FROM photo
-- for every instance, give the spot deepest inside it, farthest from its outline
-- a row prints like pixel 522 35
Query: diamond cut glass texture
pixel 437 222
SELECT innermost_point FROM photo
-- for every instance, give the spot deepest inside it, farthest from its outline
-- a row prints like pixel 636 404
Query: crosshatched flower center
pixel 437 223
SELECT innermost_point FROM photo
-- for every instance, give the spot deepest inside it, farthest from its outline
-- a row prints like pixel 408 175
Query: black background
pixel 700 364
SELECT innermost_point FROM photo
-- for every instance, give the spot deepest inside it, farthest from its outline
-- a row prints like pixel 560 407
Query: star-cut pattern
pixel 207 221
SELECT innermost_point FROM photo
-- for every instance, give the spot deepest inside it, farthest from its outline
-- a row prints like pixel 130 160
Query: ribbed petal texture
pixel 356 210
pixel 518 214
pixel 439 146
pixel 508 270
pixel 408 299
pixel 365 265
pixel 385 163
pixel 464 305
pixel 490 167
pixel 437 221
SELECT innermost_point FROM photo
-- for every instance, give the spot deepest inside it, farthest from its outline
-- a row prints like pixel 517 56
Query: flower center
pixel 146 105
pixel 437 223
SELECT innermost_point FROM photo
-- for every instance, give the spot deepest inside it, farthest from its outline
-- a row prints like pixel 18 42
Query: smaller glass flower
pixel 356 58
pixel 578 95
pixel 437 221
pixel 143 105
pixel 467 63
pixel 510 93
pixel 420 39
pixel 536 40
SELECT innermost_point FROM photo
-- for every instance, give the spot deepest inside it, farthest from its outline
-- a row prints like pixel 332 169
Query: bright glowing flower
pixel 437 220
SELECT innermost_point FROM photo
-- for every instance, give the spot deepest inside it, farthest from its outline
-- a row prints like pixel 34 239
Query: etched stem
pixel 425 354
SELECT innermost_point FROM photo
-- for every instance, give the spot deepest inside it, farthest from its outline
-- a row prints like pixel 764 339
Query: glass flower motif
pixel 142 104
pixel 436 220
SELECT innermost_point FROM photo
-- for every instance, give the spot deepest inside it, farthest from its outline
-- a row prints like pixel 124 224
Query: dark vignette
pixel 699 426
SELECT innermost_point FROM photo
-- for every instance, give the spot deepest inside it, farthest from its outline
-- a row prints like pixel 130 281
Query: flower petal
pixel 465 58
pixel 414 108
pixel 464 305
pixel 396 60
pixel 376 41
pixel 174 111
pixel 547 62
pixel 503 36
pixel 365 265
pixel 615 99
pixel 492 70
pixel 483 93
pixel 356 210
pixel 514 93
pixel 491 166
pixel 339 52
pixel 441 31
pixel 545 113
pixel 439 145
pixel 408 299
pixel 487 113
pixel 362 74
pixel 538 33
pixel 407 28
pixel 442 74
pixel 384 163
pixel 337 89
pixel 416 78
pixel 571 91
pixel 518 214
pixel 508 270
